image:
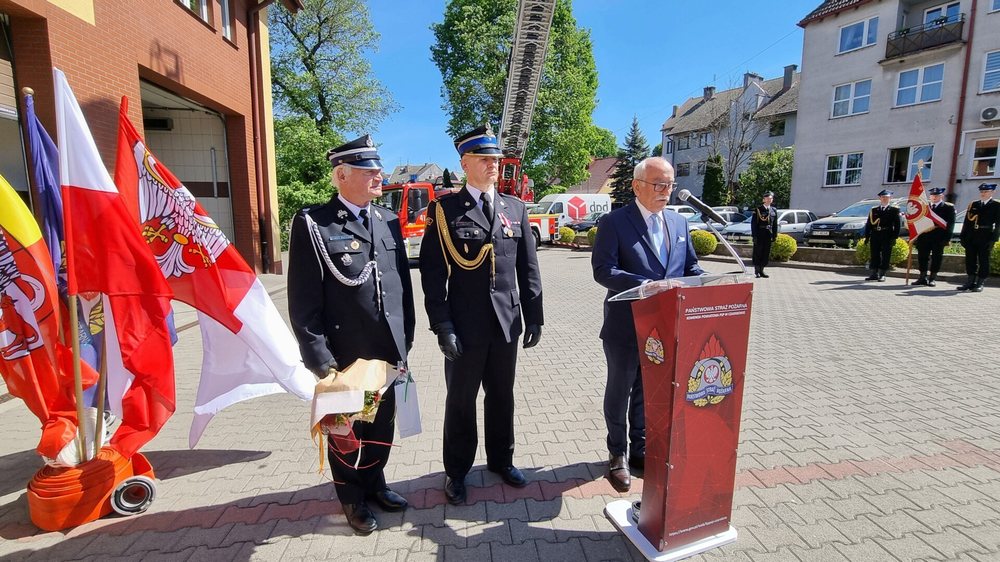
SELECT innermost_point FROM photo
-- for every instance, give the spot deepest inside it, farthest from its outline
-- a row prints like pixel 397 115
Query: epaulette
pixel 383 208
pixel 445 196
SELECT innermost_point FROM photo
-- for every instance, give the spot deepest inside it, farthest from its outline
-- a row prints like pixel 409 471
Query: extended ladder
pixel 527 59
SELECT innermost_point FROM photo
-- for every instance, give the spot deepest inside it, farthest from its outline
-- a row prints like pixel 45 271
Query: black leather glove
pixel 448 340
pixel 323 370
pixel 532 333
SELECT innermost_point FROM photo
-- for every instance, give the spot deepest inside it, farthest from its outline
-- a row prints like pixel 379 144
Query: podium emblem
pixel 711 378
pixel 654 348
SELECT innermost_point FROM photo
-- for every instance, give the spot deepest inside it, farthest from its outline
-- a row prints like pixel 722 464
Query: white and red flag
pixel 919 216
pixel 105 253
pixel 248 349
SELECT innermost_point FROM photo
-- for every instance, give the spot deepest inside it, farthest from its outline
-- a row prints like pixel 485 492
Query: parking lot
pixel 871 431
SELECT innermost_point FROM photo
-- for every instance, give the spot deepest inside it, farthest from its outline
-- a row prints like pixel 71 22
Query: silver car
pixel 790 221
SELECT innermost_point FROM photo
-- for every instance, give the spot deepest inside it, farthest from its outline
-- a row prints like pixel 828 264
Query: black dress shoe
pixel 764 275
pixel 511 476
pixel 931 283
pixel 360 518
pixel 389 500
pixel 454 490
pixel 921 281
pixel 637 462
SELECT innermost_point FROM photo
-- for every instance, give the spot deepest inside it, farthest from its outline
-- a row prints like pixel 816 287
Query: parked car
pixel 696 222
pixel 956 231
pixel 685 211
pixel 790 221
pixel 732 216
pixel 848 225
pixel 587 222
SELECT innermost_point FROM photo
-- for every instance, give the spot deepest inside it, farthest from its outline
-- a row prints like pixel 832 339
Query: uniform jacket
pixel 982 222
pixel 883 223
pixel 470 300
pixel 938 235
pixel 764 222
pixel 623 257
pixel 333 320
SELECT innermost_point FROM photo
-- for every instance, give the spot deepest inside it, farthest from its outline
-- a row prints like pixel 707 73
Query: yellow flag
pixel 15 217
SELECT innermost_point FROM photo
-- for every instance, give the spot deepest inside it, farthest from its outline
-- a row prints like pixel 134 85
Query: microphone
pixel 706 211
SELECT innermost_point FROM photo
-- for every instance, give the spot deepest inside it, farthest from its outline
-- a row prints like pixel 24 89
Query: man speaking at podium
pixel 637 243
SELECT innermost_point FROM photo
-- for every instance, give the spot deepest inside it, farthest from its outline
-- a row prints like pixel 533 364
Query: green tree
pixel 657 150
pixel 714 191
pixel 636 149
pixel 301 150
pixel 471 48
pixel 318 65
pixel 768 171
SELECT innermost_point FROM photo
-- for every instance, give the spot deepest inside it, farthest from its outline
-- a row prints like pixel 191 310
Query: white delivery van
pixel 574 206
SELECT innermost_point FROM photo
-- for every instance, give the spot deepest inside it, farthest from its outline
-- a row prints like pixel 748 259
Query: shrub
pixel 995 259
pixel 567 235
pixel 863 253
pixel 783 248
pixel 592 235
pixel 704 242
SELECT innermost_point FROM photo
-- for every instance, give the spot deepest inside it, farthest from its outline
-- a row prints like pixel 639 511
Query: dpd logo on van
pixel 577 208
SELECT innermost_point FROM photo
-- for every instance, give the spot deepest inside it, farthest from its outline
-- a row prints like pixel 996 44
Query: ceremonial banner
pixel 248 349
pixel 693 351
pixel 105 253
pixel 919 216
pixel 35 365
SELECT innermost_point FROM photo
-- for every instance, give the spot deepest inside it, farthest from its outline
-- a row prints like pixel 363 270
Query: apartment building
pixel 889 84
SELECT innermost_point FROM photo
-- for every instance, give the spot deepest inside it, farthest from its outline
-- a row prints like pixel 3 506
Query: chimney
pixel 674 114
pixel 709 92
pixel 789 74
pixel 749 77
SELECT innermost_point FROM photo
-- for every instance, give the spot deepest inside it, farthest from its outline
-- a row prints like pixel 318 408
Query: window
pixel 920 85
pixel 705 139
pixel 227 21
pixel 903 162
pixel 940 15
pixel 858 35
pixel 668 148
pixel 777 128
pixel 684 169
pixel 995 6
pixel 199 7
pixel 851 99
pixel 684 143
pixel 843 169
pixel 991 71
pixel 556 209
pixel 984 158
pixel 701 167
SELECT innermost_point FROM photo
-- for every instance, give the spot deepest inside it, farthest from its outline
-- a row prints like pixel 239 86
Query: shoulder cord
pixel 361 279
pixel 448 248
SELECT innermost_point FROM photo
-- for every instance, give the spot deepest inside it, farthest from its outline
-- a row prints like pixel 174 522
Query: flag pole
pixel 77 377
pixel 102 384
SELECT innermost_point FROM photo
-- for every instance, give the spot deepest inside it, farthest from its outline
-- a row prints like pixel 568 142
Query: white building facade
pixel 887 84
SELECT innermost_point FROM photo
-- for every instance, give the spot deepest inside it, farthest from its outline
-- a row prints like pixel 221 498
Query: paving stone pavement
pixel 871 431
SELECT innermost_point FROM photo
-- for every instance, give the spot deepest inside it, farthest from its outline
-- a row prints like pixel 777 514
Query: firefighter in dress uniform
pixel 980 231
pixel 764 228
pixel 481 280
pixel 881 232
pixel 350 297
pixel 931 244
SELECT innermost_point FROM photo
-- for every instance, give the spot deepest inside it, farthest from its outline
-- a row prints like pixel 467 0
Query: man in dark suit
pixel 881 232
pixel 930 244
pixel 637 243
pixel 764 229
pixel 980 231
pixel 349 298
pixel 480 278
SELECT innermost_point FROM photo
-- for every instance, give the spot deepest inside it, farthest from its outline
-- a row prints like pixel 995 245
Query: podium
pixel 692 335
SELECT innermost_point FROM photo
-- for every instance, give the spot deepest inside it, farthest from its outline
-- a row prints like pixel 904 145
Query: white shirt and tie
pixel 656 225
pixel 483 197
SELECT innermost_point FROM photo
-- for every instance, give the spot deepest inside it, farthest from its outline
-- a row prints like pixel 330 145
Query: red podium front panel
pixel 693 351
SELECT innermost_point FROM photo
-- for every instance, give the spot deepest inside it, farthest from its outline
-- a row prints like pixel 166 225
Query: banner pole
pixel 77 376
pixel 909 261
pixel 102 384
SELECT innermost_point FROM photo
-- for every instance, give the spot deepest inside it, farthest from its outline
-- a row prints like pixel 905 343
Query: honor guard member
pixel 881 232
pixel 764 228
pixel 980 231
pixel 480 279
pixel 350 297
pixel 930 244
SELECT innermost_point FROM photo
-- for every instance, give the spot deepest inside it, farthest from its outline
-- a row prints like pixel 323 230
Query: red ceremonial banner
pixel 693 352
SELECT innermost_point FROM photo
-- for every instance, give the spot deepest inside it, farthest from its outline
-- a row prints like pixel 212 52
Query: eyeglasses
pixel 658 187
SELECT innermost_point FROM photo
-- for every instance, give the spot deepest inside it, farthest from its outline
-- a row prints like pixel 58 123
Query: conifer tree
pixel 636 149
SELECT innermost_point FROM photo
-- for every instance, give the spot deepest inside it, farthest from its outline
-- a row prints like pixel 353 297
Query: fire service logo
pixel 711 377
pixel 654 348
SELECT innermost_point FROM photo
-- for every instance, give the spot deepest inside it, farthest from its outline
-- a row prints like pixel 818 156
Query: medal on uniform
pixel 507 230
pixel 346 259
pixel 378 215
pixel 355 245
pixel 341 214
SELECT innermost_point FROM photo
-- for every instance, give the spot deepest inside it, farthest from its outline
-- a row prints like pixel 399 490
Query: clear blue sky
pixel 651 55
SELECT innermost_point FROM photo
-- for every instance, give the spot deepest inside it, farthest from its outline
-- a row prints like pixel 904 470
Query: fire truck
pixel 524 75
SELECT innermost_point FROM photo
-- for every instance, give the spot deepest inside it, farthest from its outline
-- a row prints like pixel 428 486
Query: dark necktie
pixel 363 215
pixel 488 208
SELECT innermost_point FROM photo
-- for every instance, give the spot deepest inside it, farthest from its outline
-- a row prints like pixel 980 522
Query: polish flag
pixel 919 216
pixel 105 253
pixel 248 349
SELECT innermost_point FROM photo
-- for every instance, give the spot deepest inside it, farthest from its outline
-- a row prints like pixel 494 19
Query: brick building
pixel 197 74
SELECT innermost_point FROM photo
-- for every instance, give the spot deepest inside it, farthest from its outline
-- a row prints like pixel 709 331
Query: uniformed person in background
pixel 881 232
pixel 980 231
pixel 764 229
pixel 480 278
pixel 350 297
pixel 931 244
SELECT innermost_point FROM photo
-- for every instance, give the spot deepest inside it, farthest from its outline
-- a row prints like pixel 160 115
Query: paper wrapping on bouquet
pixel 407 407
pixel 693 350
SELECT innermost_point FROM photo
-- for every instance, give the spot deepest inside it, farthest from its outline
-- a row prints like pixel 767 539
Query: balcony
pixel 942 31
